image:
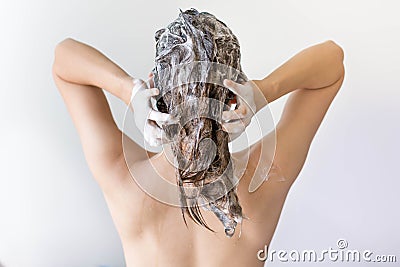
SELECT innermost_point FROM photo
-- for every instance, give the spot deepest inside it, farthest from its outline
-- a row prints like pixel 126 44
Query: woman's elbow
pixel 59 54
pixel 337 50
pixel 338 53
pixel 64 44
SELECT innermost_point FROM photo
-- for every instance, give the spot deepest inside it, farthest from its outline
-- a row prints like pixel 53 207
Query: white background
pixel 52 213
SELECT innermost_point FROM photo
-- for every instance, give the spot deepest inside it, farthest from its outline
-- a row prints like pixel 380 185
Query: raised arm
pixel 313 77
pixel 80 71
pixel 315 67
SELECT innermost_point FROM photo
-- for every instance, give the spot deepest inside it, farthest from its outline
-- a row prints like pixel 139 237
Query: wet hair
pixel 205 170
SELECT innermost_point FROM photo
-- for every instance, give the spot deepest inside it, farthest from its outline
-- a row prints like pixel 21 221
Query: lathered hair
pixel 205 171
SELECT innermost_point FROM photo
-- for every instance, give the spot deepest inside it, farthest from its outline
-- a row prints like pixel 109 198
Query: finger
pixel 244 94
pixel 234 127
pixel 154 142
pixel 157 134
pixel 157 142
pixel 233 86
pixel 151 79
pixel 243 109
pixel 230 115
pixel 161 138
pixel 152 134
pixel 240 113
pixel 155 130
pixel 152 92
pixel 161 117
pixel 247 107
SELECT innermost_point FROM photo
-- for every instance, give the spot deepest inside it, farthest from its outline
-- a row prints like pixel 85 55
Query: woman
pixel 153 233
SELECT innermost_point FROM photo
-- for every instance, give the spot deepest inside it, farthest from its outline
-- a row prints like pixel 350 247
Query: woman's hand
pixel 147 119
pixel 235 121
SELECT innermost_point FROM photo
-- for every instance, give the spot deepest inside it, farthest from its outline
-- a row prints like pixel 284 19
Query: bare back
pixel 154 233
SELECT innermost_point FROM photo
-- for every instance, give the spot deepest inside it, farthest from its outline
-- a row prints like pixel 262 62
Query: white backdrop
pixel 52 213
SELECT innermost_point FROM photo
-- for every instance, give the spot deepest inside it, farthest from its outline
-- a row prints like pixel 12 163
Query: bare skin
pixel 154 234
